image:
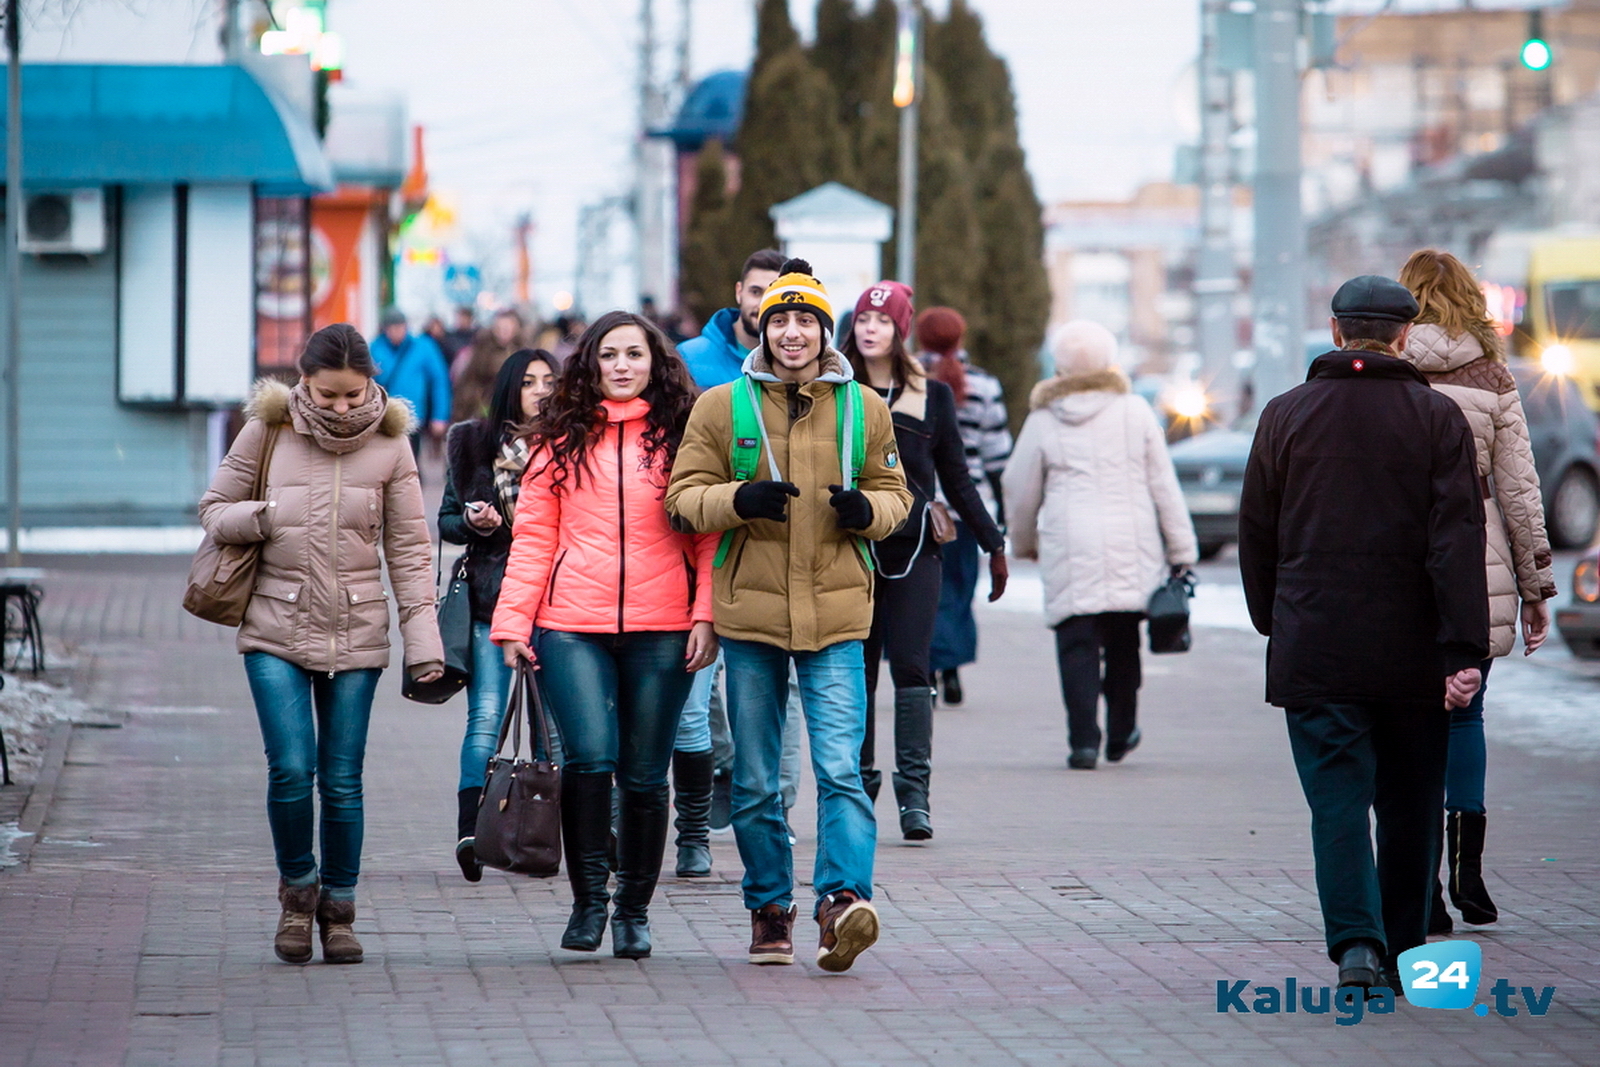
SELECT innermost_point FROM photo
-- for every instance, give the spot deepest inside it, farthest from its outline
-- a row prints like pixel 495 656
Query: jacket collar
pixel 626 410
pixel 835 368
pixel 1360 364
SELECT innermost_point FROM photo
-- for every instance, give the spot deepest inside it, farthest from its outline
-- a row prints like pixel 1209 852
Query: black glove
pixel 764 500
pixel 855 510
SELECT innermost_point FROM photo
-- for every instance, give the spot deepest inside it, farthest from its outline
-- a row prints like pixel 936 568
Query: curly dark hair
pixel 571 419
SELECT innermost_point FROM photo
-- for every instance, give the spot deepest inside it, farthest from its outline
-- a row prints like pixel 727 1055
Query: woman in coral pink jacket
pixel 617 605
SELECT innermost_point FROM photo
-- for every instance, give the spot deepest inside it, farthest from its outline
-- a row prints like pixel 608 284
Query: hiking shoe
pixel 849 927
pixel 772 934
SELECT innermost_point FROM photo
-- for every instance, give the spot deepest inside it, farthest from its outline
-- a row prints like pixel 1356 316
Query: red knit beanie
pixel 891 298
pixel 940 330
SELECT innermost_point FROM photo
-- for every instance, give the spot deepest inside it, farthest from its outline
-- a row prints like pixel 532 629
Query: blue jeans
pixel 833 694
pixel 1469 759
pixel 486 702
pixel 315 731
pixel 704 728
pixel 616 699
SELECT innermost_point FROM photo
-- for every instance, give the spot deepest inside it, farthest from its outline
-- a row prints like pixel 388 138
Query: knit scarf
pixel 508 468
pixel 334 432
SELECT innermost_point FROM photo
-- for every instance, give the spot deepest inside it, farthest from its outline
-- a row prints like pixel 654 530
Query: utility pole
pixel 908 57
pixel 13 281
pixel 1277 290
pixel 1216 279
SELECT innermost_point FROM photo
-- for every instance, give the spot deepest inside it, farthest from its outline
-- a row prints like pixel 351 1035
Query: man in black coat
pixel 1361 544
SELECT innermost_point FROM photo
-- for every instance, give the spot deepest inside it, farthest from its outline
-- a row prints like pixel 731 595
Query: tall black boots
pixel 641 840
pixel 913 759
pixel 691 787
pixel 585 829
pixel 466 829
pixel 1464 853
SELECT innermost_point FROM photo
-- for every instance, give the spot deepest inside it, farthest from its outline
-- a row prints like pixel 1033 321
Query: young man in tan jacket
pixel 817 475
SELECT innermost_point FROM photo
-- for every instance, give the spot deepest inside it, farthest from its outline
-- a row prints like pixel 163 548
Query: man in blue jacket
pixel 411 367
pixel 716 357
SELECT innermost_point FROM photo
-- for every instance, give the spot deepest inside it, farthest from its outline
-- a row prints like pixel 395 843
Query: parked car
pixel 1579 621
pixel 1566 452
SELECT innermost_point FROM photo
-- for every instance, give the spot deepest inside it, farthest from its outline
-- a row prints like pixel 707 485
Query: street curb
pixel 44 790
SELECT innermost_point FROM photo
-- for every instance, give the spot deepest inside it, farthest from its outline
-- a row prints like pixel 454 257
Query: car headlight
pixel 1558 360
pixel 1586 580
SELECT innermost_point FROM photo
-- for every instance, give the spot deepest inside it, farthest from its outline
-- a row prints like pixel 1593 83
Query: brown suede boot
pixel 339 944
pixel 293 940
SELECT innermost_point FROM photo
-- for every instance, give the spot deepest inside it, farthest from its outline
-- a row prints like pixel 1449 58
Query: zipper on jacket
pixel 622 535
pixel 333 556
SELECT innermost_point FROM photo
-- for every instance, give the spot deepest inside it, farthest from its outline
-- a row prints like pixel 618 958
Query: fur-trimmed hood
pixel 1109 380
pixel 269 402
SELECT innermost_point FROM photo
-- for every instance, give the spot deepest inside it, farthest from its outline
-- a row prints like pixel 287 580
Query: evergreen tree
pixel 775 33
pixel 704 273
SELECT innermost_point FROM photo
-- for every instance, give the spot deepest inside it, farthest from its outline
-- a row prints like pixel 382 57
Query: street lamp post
pixel 13 279
pixel 908 54
pixel 1277 287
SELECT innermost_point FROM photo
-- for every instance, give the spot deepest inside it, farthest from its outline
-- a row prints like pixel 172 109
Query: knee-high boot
pixel 1464 843
pixel 913 756
pixel 641 841
pixel 585 828
pixel 691 786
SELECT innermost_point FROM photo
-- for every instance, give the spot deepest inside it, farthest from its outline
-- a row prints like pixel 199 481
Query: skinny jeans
pixel 1469 759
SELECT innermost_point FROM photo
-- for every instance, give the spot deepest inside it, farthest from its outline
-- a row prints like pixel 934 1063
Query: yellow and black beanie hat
pixel 796 289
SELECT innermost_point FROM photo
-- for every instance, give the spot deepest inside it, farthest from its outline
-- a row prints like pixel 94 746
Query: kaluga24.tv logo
pixel 1444 974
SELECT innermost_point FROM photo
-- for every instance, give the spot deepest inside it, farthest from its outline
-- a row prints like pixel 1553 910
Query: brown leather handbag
pixel 223 577
pixel 519 817
pixel 941 524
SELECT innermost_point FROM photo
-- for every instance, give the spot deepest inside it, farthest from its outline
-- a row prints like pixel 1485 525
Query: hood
pixel 1110 382
pixel 720 326
pixel 1431 348
pixel 835 368
pixel 269 402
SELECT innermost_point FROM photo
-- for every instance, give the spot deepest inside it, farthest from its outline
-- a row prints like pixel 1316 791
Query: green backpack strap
pixel 744 450
pixel 852 416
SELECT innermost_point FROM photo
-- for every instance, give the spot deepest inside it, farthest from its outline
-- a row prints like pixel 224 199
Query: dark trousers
pixel 903 613
pixel 1356 760
pixel 1081 641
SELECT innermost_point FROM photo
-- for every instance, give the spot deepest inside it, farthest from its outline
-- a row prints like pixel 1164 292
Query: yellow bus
pixel 1561 322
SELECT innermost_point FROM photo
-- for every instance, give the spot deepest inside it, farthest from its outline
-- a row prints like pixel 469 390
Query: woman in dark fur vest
pixel 485 459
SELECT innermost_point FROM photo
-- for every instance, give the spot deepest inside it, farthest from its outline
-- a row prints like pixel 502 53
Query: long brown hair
pixel 904 368
pixel 571 418
pixel 1448 296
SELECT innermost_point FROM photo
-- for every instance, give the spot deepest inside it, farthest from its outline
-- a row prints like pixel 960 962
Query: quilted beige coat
pixel 1518 550
pixel 1092 495
pixel 319 600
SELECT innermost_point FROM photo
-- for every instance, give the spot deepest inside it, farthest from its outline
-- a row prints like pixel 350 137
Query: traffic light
pixel 1535 49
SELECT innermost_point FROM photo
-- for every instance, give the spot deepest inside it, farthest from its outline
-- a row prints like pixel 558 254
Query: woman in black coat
pixel 484 461
pixel 906 596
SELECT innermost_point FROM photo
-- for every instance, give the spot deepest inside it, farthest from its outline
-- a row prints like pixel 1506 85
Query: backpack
pixel 744 450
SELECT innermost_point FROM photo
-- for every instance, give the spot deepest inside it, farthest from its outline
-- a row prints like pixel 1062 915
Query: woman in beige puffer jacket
pixel 1453 342
pixel 341 480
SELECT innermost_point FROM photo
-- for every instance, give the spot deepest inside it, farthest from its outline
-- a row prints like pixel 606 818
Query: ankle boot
pixel 1464 852
pixel 292 942
pixel 642 840
pixel 585 827
pixel 913 759
pixel 466 828
pixel 691 786
pixel 334 921
pixel 1439 921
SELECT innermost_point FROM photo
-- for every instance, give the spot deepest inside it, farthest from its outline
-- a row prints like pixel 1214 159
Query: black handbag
pixel 519 817
pixel 454 614
pixel 1168 612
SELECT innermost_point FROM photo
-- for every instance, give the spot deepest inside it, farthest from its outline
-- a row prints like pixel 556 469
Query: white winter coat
pixel 1518 550
pixel 1092 495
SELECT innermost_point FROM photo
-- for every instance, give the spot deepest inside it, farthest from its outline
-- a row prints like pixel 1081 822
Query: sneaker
pixel 772 934
pixel 721 803
pixel 1114 755
pixel 849 927
pixel 1083 759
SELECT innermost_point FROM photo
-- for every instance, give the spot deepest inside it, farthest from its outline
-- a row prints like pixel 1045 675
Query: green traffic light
pixel 1535 54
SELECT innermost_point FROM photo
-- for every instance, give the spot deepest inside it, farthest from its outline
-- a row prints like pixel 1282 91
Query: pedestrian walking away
pixel 614 606
pixel 702 760
pixel 1454 343
pixel 1361 546
pixel 486 459
pixel 341 482
pixel 474 367
pixel 796 466
pixel 411 367
pixel 906 598
pixel 1093 496
pixel 986 440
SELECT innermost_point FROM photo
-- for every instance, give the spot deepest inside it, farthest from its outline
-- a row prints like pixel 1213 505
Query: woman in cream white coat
pixel 1092 495
pixel 1453 342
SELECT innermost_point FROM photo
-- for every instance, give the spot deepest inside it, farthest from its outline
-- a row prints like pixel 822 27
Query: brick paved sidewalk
pixel 1057 917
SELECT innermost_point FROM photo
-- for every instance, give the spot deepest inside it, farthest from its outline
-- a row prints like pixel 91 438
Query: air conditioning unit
pixel 64 220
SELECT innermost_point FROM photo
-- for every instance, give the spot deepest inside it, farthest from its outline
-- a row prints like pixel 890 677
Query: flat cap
pixel 1372 296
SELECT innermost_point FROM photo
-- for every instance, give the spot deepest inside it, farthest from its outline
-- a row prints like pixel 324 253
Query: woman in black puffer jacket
pixel 484 461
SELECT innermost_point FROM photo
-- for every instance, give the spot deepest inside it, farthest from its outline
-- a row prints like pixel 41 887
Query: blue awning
pixel 103 124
